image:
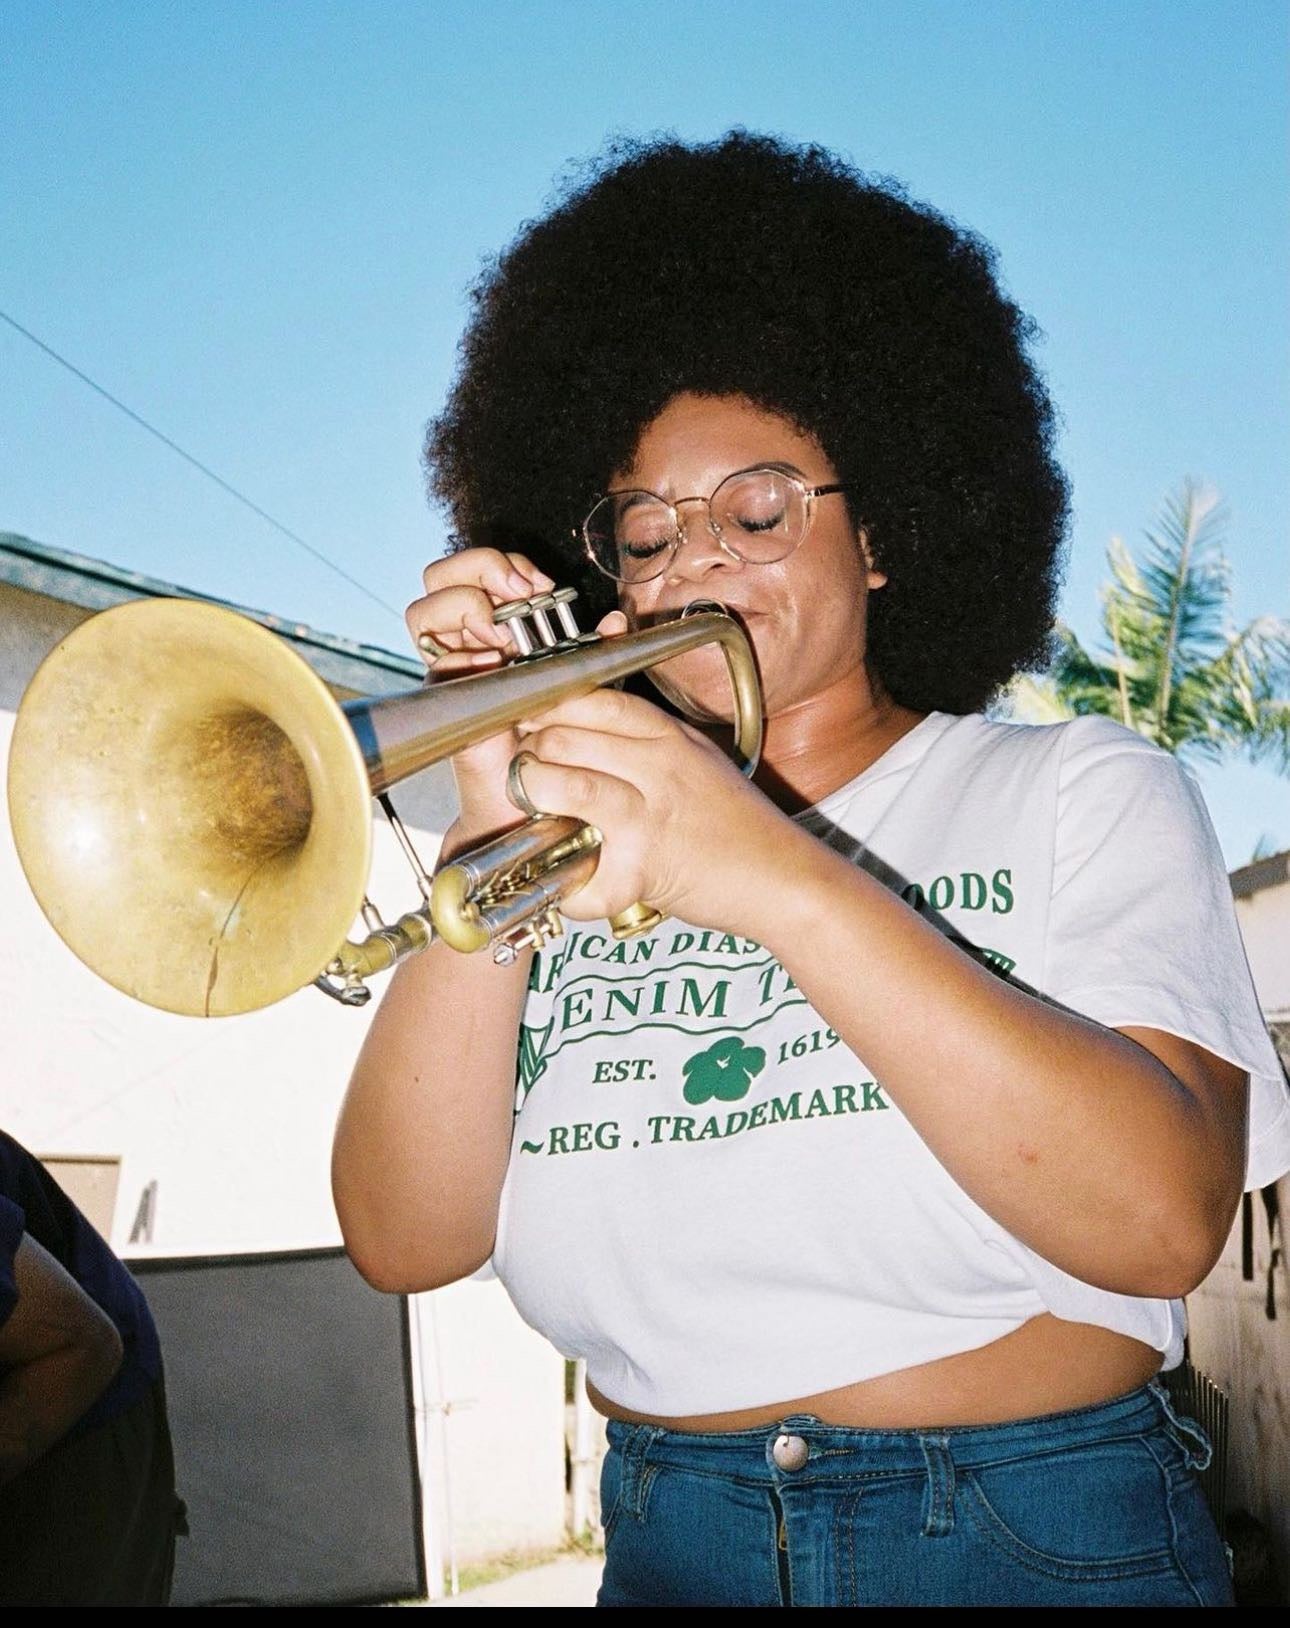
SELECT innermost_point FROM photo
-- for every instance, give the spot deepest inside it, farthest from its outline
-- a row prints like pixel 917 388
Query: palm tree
pixel 1174 668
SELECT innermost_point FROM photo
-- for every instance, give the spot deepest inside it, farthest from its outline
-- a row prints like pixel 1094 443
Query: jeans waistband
pixel 845 1449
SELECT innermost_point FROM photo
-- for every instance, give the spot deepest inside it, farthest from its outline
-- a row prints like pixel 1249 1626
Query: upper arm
pixel 1143 938
pixel 1221 1091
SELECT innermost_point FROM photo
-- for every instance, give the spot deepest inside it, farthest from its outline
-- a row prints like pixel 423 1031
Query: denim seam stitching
pixel 610 1520
pixel 912 1473
pixel 1052 1566
pixel 794 1591
pixel 845 1584
pixel 637 1471
pixel 939 1471
pixel 1022 1454
pixel 609 1517
pixel 649 1474
pixel 782 1559
pixel 1035 1455
pixel 1167 1491
pixel 1186 1431
pixel 845 1478
pixel 732 1478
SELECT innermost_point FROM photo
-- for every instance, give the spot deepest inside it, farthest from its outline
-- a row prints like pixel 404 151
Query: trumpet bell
pixel 190 806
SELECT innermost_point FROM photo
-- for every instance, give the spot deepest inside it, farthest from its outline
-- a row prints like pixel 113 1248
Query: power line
pixel 197 464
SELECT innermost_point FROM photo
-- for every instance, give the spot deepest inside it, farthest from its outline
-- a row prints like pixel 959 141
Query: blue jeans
pixel 1095 1506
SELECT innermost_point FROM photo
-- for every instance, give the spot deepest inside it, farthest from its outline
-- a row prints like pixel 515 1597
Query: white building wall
pixel 1232 1338
pixel 1265 927
pixel 233 1117
pixel 482 1429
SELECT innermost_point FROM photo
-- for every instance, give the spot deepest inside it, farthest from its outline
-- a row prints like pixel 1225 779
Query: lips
pixel 740 611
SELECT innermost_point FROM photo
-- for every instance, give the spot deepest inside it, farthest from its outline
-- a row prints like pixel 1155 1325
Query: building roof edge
pixel 1260 874
pixel 78 579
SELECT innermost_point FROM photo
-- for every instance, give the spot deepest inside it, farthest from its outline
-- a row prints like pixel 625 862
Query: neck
pixel 817 745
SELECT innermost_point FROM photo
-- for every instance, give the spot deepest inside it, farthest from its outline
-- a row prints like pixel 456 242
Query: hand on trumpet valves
pixel 452 623
pixel 453 630
pixel 681 826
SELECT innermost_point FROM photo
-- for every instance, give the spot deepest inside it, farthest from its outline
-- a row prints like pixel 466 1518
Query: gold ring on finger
pixel 430 646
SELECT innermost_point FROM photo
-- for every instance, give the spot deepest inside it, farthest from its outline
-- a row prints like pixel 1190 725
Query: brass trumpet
pixel 192 808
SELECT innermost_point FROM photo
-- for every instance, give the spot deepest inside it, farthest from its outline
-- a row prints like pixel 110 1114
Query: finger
pixel 459 618
pixel 538 581
pixel 440 646
pixel 459 662
pixel 505 576
pixel 607 710
pixel 626 758
pixel 586 794
pixel 694 733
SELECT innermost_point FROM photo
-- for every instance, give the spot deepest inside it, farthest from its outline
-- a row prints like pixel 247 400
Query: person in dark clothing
pixel 88 1512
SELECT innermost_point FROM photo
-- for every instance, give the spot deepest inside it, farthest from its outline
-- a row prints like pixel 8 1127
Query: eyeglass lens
pixel 759 515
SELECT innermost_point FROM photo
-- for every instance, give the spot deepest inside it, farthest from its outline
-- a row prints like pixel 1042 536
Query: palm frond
pixel 1033 698
pixel 1186 573
pixel 1073 684
pixel 1250 692
pixel 1172 667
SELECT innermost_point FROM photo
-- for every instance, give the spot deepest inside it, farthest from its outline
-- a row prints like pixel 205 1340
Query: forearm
pixel 424 1133
pixel 1076 1140
pixel 42 1399
pixel 59 1351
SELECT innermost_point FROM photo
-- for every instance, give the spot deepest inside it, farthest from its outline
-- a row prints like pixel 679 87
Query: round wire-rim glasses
pixel 632 536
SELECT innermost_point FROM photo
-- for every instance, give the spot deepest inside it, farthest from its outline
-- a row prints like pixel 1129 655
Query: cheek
pixel 637 605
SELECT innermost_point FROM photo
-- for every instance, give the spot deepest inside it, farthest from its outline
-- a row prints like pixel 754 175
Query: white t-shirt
pixel 711 1198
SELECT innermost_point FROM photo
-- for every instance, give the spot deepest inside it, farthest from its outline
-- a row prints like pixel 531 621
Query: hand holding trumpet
pixel 452 627
pixel 680 825
pixel 646 781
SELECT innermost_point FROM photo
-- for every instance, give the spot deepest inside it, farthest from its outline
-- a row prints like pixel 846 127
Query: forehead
pixel 696 441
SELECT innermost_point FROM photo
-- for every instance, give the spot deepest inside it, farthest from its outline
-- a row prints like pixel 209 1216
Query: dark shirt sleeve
pixel 50 1217
pixel 13 1223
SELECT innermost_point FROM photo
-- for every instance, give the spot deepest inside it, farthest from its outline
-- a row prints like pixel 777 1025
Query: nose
pixel 700 549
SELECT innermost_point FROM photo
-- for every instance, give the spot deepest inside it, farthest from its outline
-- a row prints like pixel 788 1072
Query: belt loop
pixel 635 1482
pixel 938 1520
pixel 1195 1444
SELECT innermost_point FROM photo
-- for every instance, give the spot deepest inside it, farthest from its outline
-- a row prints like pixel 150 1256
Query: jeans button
pixel 790 1452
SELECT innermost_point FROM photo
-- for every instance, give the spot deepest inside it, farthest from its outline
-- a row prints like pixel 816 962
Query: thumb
pixel 612 625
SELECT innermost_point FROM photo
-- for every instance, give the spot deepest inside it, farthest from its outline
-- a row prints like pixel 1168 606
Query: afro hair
pixel 751 267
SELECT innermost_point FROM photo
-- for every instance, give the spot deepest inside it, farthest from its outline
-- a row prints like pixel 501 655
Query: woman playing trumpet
pixel 869 1183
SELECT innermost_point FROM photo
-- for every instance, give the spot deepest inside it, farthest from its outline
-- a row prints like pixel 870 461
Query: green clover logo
pixel 724 1071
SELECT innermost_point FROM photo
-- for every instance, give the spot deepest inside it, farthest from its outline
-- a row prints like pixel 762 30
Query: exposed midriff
pixel 1047 1365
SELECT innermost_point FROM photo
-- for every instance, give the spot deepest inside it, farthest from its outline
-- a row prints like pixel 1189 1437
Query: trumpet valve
pixel 533 934
pixel 541 638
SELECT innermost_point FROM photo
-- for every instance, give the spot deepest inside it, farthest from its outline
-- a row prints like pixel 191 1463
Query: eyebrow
pixel 636 493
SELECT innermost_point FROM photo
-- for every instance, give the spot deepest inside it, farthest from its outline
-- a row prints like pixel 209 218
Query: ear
pixel 875 577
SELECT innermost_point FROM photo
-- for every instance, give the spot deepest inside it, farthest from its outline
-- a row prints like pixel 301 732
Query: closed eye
pixel 769 524
pixel 643 551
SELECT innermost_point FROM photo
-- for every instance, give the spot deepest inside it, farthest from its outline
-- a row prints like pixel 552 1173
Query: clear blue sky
pixel 256 224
